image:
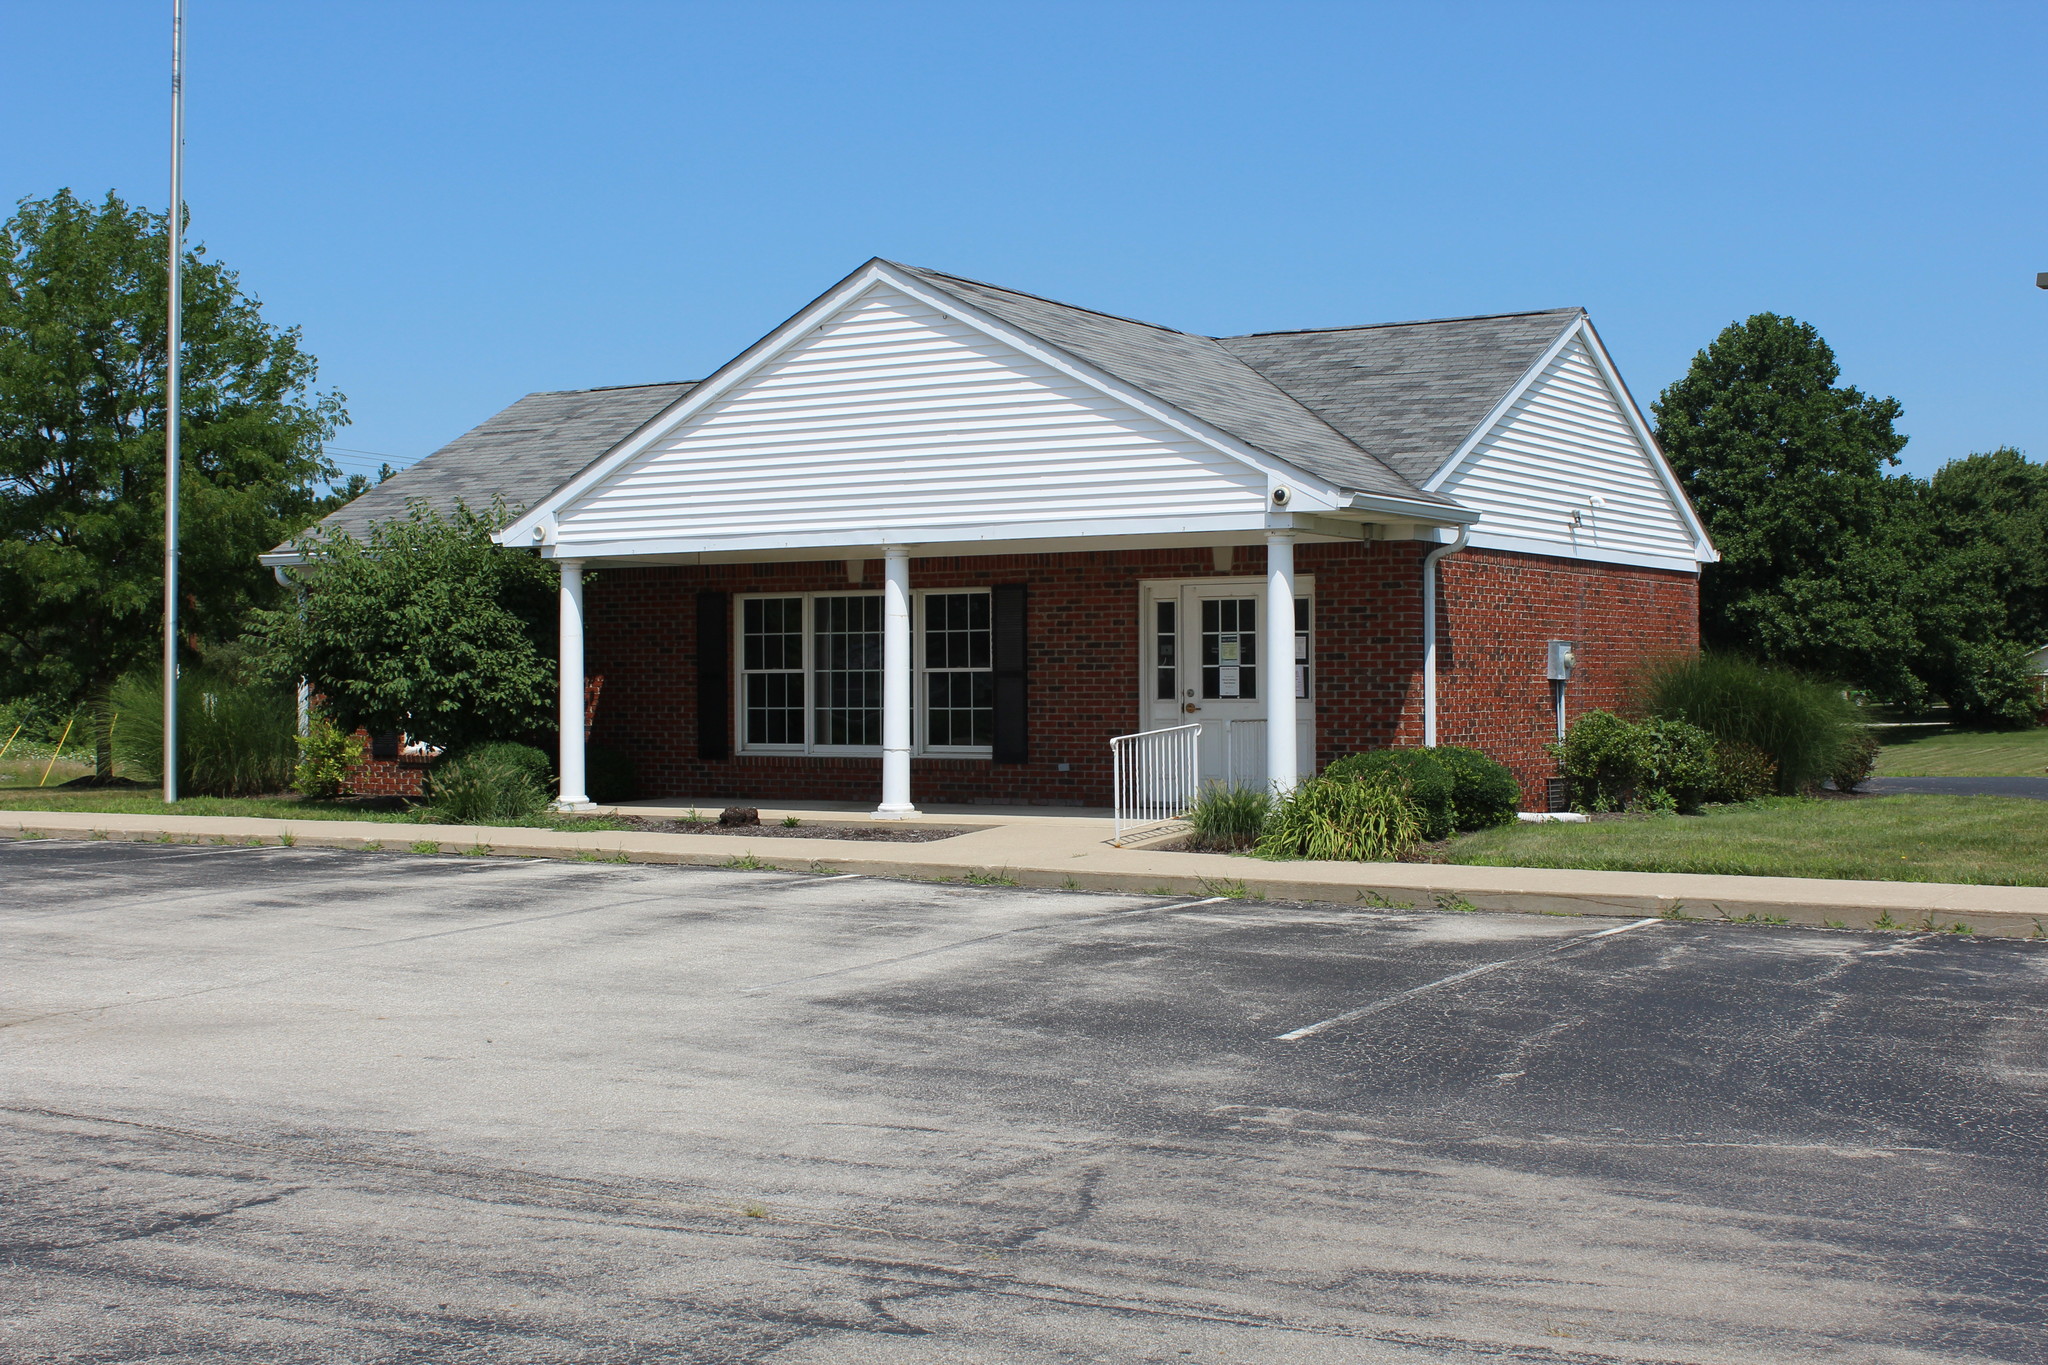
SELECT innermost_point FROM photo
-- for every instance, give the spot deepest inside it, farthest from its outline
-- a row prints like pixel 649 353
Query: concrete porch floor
pixel 862 812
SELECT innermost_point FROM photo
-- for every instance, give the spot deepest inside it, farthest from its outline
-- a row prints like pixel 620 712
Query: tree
pixel 1830 563
pixel 426 627
pixel 1789 473
pixel 82 337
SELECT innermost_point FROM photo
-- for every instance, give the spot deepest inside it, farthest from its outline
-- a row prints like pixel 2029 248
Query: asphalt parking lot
pixel 290 1105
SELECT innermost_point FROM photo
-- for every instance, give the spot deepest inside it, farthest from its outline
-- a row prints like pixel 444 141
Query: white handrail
pixel 1152 776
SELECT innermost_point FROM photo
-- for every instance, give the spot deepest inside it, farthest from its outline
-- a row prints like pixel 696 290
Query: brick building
pixel 931 540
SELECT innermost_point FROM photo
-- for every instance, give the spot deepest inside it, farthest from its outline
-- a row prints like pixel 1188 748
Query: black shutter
pixel 1009 663
pixel 714 674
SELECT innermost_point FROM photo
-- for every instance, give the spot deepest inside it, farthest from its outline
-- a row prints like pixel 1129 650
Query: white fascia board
pixel 1429 513
pixel 1503 407
pixel 1704 546
pixel 542 514
pixel 912 537
pixel 1550 549
pixel 283 559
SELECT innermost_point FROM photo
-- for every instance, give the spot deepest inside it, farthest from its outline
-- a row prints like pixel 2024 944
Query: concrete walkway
pixel 1072 852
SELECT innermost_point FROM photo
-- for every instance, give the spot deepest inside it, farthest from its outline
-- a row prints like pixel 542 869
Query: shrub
pixel 481 790
pixel 1226 818
pixel 1802 724
pixel 1742 772
pixel 327 754
pixel 1994 686
pixel 1617 764
pixel 1352 819
pixel 1857 761
pixel 234 738
pixel 1427 782
pixel 527 759
pixel 1483 792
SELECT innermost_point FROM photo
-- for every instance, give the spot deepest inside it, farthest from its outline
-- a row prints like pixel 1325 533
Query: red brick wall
pixel 384 776
pixel 1498 609
pixel 1499 613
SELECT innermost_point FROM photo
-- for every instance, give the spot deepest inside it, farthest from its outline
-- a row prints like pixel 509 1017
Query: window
pixel 811 672
pixel 1166 685
pixel 1230 648
pixel 959 690
pixel 846 659
pixel 772 664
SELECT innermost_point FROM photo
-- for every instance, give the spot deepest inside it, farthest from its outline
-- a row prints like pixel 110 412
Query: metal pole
pixel 176 306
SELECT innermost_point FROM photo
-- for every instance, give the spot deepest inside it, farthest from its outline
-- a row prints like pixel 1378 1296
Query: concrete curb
pixel 1070 855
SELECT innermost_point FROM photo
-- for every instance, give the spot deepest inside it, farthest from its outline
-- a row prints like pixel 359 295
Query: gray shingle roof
pixel 521 455
pixel 1410 392
pixel 1196 374
pixel 1376 410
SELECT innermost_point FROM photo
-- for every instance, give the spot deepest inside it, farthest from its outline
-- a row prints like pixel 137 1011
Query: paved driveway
pixel 294 1105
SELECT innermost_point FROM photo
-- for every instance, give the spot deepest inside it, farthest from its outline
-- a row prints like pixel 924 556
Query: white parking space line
pixel 979 938
pixel 1576 941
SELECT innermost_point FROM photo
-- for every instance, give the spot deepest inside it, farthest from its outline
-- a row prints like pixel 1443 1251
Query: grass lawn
pixel 1963 753
pixel 118 802
pixel 1982 839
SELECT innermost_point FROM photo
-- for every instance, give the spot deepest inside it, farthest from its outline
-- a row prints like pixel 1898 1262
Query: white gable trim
pixel 1308 492
pixel 1582 330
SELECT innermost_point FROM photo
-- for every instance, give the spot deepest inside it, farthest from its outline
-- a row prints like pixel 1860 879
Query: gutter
pixel 1429 562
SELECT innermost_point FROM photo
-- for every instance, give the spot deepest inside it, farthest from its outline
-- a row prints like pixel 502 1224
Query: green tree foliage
pixel 426 628
pixel 82 335
pixel 1831 564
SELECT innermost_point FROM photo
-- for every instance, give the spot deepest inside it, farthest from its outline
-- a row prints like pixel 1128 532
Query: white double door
pixel 1205 663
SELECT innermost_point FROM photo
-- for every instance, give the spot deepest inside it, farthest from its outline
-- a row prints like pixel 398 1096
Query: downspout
pixel 1429 632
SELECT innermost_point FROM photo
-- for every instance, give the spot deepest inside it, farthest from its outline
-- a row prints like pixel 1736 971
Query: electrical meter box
pixel 1564 656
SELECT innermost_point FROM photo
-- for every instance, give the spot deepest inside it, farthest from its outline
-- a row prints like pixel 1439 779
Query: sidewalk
pixel 1072 852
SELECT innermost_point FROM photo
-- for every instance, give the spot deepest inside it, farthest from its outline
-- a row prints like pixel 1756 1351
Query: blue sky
pixel 463 203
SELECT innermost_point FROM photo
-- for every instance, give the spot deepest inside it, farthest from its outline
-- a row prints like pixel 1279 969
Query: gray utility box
pixel 1564 656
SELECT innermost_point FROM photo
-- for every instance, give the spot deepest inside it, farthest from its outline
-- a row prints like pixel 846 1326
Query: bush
pixel 1804 725
pixel 1994 686
pixel 1742 772
pixel 1483 793
pixel 1427 782
pixel 1617 764
pixel 234 738
pixel 326 757
pixel 1226 818
pixel 1857 761
pixel 539 769
pixel 481 789
pixel 1352 819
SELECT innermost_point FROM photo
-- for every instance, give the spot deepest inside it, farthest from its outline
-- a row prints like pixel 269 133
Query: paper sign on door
pixel 1227 656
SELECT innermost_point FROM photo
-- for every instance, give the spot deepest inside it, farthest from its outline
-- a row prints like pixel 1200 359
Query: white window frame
pixel 919 672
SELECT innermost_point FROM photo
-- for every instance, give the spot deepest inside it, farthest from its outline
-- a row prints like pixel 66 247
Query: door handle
pixel 1190 708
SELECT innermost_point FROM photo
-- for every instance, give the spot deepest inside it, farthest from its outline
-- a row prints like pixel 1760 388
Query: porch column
pixel 1278 645
pixel 896 689
pixel 570 763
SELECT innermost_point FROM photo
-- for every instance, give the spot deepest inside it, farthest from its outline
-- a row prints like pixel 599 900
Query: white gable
pixel 1565 442
pixel 891 415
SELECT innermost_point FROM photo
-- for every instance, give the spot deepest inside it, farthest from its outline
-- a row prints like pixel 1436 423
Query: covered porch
pixel 907 681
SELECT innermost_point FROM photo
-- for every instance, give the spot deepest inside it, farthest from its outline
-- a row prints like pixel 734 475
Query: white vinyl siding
pixel 1566 439
pixel 892 414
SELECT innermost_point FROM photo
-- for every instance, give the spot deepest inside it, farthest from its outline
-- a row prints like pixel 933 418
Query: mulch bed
pixel 873 834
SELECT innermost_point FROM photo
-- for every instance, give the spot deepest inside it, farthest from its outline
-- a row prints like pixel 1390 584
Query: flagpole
pixel 177 236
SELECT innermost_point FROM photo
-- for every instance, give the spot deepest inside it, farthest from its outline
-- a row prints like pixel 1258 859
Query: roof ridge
pixel 611 388
pixel 1411 322
pixel 1057 303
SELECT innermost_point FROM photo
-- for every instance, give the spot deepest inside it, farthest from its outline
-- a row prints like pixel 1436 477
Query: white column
pixel 1278 642
pixel 896 689
pixel 570 764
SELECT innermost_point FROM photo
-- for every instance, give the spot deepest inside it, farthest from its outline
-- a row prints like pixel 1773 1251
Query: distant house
pixel 934 540
pixel 2038 661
